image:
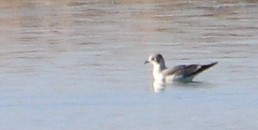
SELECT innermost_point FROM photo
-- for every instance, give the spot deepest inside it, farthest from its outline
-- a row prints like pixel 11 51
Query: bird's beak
pixel 146 62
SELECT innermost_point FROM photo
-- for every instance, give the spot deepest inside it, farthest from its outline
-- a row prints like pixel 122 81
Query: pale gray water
pixel 79 65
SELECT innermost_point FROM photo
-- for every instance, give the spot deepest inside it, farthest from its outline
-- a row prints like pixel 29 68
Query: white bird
pixel 181 73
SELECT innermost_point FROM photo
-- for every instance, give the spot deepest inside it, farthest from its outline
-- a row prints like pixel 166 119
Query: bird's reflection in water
pixel 158 87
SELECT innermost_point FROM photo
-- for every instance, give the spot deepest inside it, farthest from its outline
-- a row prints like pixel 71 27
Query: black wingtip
pixel 204 67
pixel 213 63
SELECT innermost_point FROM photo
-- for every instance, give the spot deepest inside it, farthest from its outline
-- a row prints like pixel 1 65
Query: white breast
pixel 158 77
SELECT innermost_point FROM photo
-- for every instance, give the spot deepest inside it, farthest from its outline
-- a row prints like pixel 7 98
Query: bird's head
pixel 156 59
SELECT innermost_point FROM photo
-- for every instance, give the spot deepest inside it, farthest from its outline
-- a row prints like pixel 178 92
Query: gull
pixel 180 73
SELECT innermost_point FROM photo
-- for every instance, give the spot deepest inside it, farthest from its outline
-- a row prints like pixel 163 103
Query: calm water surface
pixel 79 64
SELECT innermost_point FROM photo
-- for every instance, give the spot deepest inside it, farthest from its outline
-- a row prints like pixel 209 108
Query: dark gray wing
pixel 187 70
pixel 181 70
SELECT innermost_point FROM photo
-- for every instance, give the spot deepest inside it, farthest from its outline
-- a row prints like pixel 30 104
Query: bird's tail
pixel 204 67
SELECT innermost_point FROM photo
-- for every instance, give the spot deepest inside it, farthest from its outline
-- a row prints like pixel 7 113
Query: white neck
pixel 157 69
